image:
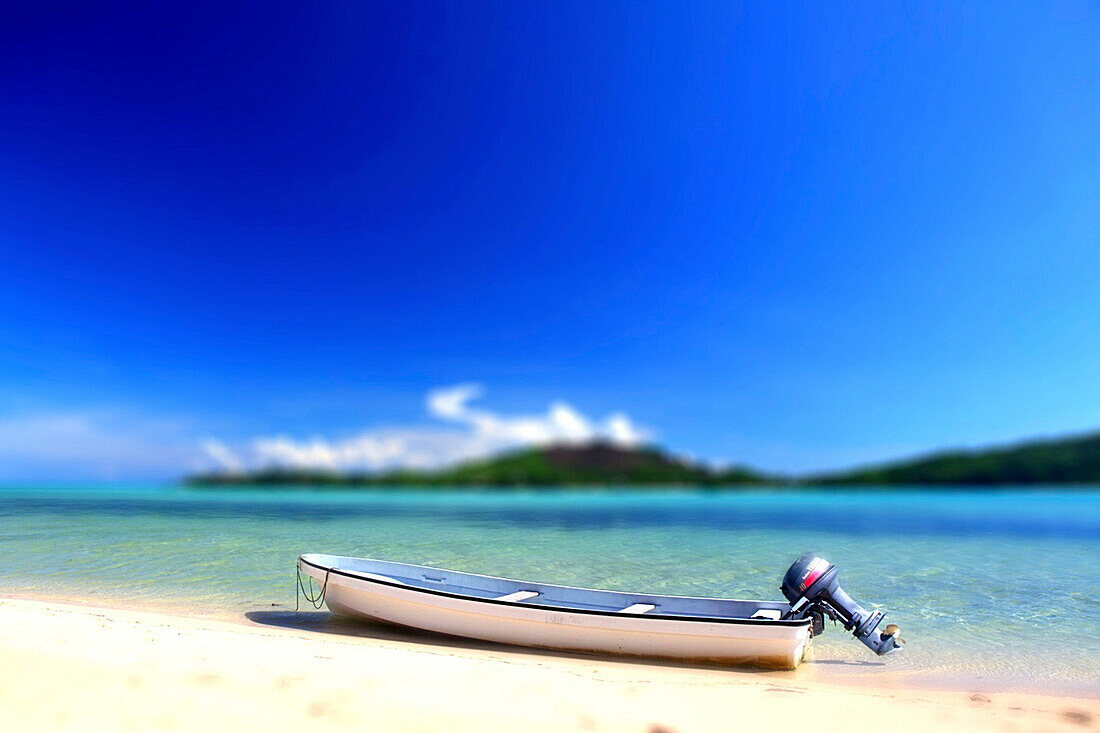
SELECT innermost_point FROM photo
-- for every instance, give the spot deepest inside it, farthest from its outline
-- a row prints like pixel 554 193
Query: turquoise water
pixel 995 586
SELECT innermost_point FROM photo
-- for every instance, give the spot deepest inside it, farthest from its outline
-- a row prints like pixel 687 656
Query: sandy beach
pixel 81 667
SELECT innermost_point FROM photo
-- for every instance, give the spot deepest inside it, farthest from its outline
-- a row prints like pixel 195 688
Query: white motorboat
pixel 736 632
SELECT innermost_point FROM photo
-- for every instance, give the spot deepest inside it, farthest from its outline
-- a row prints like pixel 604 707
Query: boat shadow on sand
pixel 322 622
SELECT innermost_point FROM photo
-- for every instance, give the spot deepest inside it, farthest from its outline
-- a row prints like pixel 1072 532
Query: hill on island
pixel 594 464
pixel 1071 460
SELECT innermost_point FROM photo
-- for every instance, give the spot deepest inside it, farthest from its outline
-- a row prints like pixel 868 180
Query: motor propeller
pixel 811 587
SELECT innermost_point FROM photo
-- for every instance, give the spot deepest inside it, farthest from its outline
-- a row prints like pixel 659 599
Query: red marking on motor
pixel 810 579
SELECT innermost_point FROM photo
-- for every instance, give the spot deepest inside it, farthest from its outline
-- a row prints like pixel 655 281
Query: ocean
pixel 992 587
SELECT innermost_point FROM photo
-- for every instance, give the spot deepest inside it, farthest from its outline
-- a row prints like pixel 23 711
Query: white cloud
pixel 222 454
pixel 474 433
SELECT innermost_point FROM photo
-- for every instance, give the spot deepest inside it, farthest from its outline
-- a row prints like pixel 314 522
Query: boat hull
pixel 752 642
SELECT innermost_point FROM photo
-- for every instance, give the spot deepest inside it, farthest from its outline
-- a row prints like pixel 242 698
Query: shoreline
pixel 135 669
pixel 822 669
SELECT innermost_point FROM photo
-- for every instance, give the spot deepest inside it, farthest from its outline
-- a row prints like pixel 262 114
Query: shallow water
pixel 993 587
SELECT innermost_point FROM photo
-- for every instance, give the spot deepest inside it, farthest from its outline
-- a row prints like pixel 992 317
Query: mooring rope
pixel 316 597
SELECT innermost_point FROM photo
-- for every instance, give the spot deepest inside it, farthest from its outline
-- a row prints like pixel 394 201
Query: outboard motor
pixel 811 587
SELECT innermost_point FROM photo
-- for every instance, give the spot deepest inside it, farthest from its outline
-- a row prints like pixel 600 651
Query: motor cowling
pixel 811 587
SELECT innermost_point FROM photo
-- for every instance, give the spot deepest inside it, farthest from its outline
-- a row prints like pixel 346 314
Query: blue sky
pixel 797 237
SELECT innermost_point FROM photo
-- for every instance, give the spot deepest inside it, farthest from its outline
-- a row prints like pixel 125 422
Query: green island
pixel 1071 460
pixel 594 464
pixel 1067 460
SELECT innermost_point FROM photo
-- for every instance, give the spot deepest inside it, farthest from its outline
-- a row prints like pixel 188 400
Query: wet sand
pixel 74 666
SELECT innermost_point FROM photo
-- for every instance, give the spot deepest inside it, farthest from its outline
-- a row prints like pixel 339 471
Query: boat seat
pixel 383 578
pixel 638 608
pixel 768 613
pixel 519 595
